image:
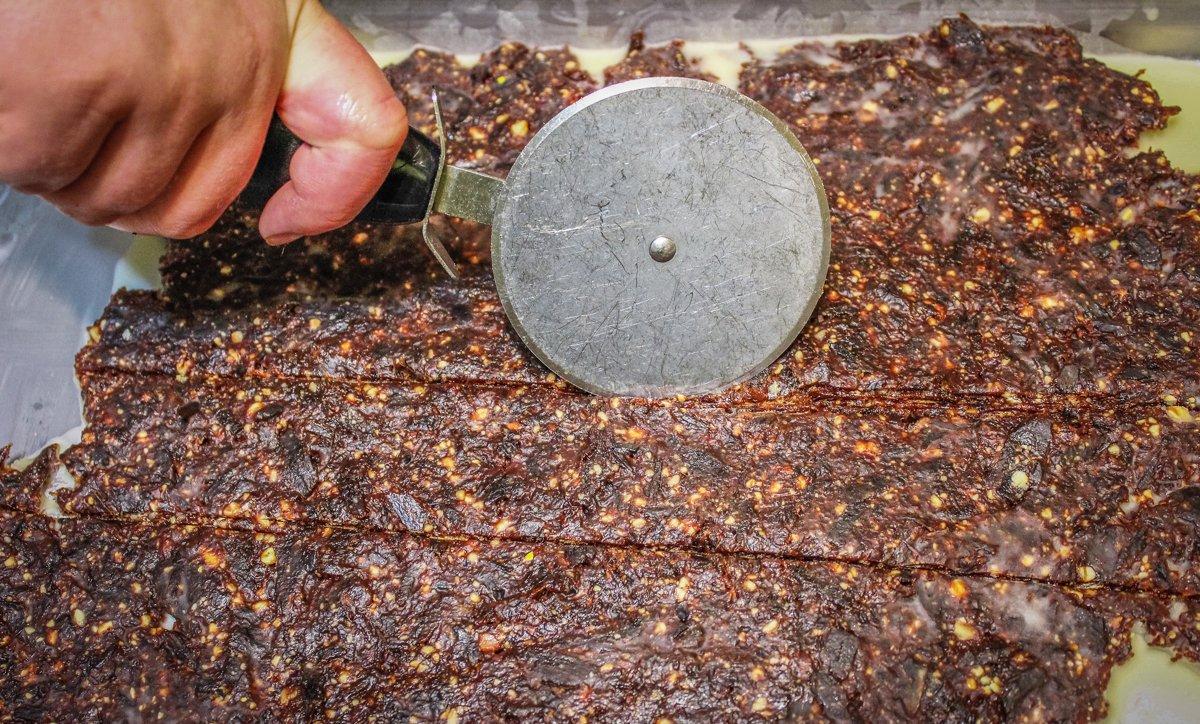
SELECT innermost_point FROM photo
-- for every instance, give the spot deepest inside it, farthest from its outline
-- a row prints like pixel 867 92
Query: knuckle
pixel 395 117
pixel 185 223
pixel 392 111
pixel 384 123
pixel 33 188
pixel 37 174
pixel 90 214
pixel 133 198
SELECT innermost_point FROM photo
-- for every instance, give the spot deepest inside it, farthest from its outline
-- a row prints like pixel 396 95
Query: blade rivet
pixel 662 249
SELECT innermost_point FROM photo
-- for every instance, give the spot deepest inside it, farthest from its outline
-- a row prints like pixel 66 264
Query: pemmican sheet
pixel 117 619
pixel 324 481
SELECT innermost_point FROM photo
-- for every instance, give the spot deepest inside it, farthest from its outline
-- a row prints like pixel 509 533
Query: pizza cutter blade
pixel 661 236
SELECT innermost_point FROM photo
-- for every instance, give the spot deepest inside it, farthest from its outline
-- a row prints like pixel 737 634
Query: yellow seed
pixel 1179 413
pixel 891 72
pixel 519 128
pixel 994 105
pixel 981 215
pixel 681 588
pixel 1019 480
pixel 760 704
pixel 1086 573
pixel 771 627
pixel 236 336
pixel 958 588
pixel 314 323
pixel 963 630
pixel 268 557
pixel 79 617
pixel 1127 214
pixel 10 562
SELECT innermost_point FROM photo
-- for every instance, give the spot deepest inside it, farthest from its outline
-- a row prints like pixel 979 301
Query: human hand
pixel 150 117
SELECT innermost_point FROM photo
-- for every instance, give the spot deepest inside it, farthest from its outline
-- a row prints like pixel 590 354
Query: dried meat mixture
pixel 111 619
pixel 1015 492
pixel 324 481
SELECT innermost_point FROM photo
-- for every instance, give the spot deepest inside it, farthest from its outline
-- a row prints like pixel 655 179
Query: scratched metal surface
pixel 680 158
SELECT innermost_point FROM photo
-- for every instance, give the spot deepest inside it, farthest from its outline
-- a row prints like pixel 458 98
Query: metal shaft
pixel 467 194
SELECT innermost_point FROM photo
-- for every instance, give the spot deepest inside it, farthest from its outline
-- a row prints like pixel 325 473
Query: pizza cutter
pixel 661 236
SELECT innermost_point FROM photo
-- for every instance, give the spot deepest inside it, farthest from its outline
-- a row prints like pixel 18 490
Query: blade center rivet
pixel 662 249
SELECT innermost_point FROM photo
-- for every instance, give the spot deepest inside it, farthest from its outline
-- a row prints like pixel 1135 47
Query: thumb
pixel 338 102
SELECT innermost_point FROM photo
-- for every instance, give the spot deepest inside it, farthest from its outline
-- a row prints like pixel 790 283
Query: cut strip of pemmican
pixel 105 618
pixel 1092 495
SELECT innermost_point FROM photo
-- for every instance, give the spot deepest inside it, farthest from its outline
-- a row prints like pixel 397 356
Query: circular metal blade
pixel 661 236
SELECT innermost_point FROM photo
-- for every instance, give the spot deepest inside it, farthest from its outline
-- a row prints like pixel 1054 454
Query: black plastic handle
pixel 403 198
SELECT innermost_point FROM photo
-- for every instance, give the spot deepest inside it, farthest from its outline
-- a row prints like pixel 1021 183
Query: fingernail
pixel 281 239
